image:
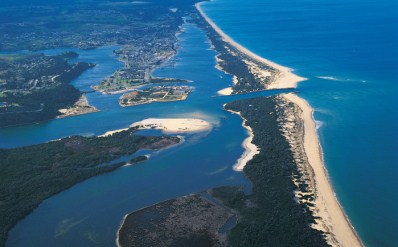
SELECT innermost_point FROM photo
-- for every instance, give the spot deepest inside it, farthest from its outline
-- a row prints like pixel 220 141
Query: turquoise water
pixel 90 213
pixel 352 45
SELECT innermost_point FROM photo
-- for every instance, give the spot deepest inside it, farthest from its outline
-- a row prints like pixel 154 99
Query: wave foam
pixel 332 78
pixel 329 78
pixel 318 124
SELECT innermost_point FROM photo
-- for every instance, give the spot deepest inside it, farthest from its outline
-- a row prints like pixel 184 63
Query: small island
pixel 121 82
pixel 155 94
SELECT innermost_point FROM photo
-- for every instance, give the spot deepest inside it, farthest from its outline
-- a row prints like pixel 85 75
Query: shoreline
pixel 326 203
pixel 250 149
pixel 285 79
pixel 111 132
pixel 81 107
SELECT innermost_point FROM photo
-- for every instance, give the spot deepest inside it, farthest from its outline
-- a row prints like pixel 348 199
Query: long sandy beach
pixel 326 203
pixel 285 79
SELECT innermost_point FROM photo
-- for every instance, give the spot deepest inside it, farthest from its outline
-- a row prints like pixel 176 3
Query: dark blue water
pixel 353 45
pixel 90 213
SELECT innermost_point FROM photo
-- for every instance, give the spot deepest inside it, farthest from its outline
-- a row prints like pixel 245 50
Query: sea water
pixel 345 48
pixel 348 50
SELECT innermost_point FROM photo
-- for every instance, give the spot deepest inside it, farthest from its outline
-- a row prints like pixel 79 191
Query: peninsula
pixel 41 168
pixel 36 87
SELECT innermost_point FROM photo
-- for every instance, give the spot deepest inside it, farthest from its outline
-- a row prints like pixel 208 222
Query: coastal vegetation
pixel 278 210
pixel 32 174
pixel 185 221
pixel 250 75
pixel 34 87
pixel 270 215
pixel 155 94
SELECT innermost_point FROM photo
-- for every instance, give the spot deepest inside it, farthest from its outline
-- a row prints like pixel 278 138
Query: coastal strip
pixel 326 203
pixel 334 223
pixel 284 77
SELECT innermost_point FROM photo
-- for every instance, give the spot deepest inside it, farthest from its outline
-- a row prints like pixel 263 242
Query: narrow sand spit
pixel 108 133
pixel 326 203
pixel 285 78
pixel 250 148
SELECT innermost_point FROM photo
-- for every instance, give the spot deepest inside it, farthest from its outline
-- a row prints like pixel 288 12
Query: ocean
pixel 348 51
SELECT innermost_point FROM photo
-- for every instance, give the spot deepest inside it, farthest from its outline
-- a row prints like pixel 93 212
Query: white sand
pixel 174 125
pixel 225 91
pixel 327 205
pixel 250 149
pixel 285 79
pixel 108 133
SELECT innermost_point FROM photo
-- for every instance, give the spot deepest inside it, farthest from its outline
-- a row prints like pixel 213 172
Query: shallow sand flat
pixel 174 125
pixel 327 205
pixel 285 79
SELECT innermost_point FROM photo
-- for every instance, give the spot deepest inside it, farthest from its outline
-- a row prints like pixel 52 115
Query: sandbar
pixel 225 91
pixel 174 125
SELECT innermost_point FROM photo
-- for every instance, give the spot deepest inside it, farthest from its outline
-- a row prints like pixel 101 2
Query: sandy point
pixel 174 125
pixel 285 79
pixel 225 91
